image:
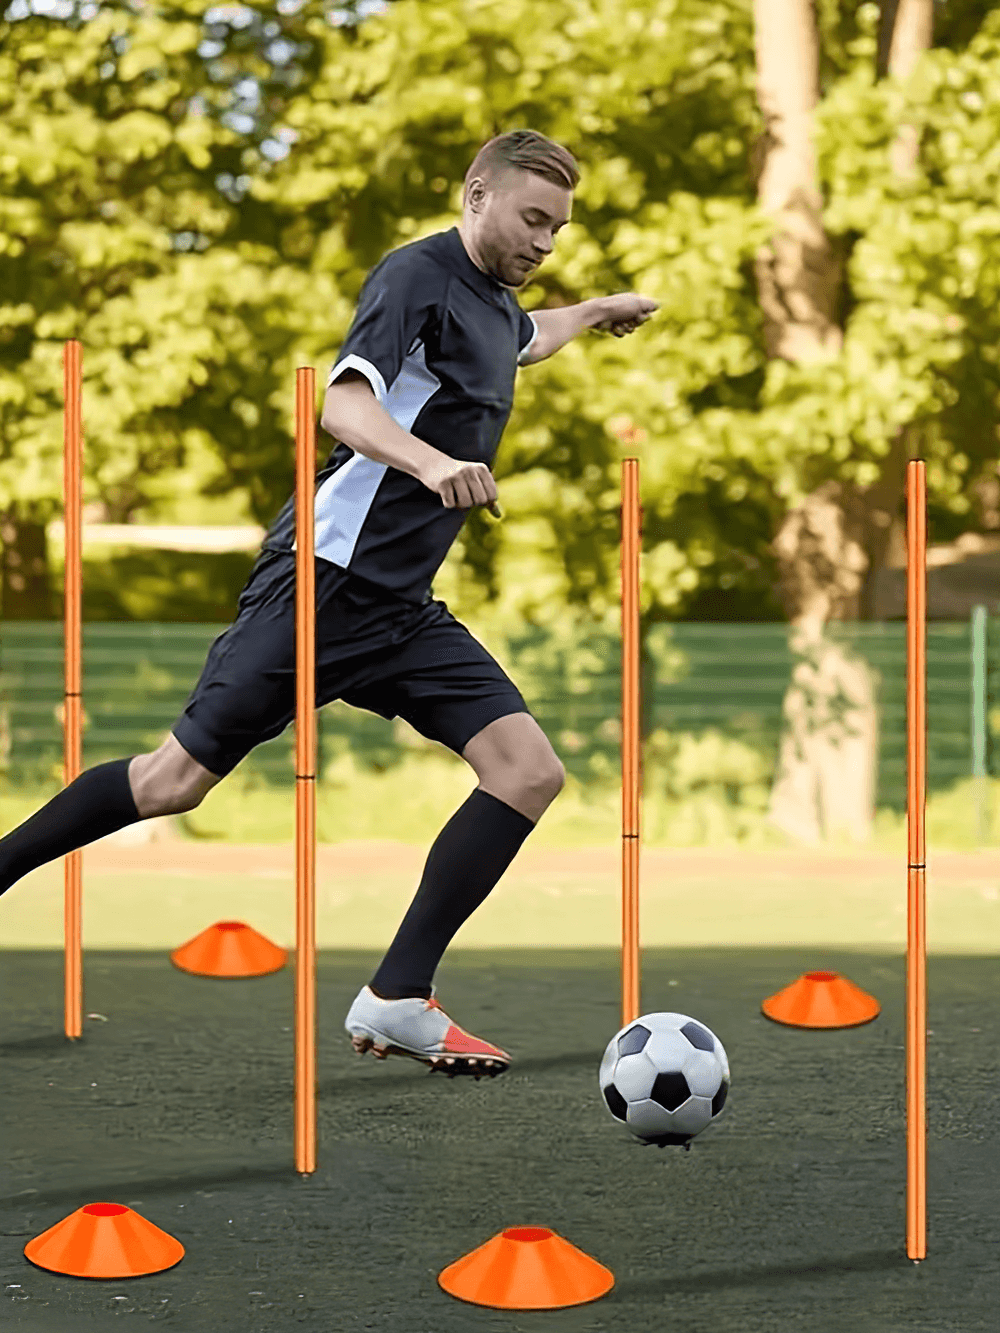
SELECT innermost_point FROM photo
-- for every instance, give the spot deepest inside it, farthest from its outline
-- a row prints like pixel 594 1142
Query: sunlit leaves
pixel 200 269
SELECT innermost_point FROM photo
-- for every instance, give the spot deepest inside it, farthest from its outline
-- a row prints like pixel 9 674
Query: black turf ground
pixel 786 1215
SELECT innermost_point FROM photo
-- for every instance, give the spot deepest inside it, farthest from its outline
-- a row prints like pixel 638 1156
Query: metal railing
pixel 697 678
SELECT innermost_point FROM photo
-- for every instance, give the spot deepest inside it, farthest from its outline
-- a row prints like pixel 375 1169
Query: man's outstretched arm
pixel 618 314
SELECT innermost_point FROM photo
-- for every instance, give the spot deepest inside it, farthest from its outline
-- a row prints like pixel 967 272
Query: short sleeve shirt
pixel 439 341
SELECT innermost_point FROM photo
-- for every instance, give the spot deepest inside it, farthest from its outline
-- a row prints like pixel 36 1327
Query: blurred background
pixel 808 189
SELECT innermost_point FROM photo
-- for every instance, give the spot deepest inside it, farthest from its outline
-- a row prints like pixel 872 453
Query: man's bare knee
pixel 515 762
pixel 530 791
pixel 168 781
pixel 545 782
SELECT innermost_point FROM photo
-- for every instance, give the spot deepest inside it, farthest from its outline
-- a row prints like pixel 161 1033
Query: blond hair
pixel 524 150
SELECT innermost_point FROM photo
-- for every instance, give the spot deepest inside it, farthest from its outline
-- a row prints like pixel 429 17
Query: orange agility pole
pixel 631 541
pixel 72 658
pixel 305 772
pixel 916 913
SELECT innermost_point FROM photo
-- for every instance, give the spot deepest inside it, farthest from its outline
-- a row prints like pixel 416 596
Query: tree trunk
pixel 829 550
pixel 906 29
pixel 828 547
pixel 825 783
pixel 798 273
pixel 828 704
pixel 825 780
pixel 25 584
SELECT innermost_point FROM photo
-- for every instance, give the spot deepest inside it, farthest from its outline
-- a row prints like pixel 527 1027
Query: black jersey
pixel 439 341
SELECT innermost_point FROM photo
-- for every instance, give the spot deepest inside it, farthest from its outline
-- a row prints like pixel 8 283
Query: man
pixel 417 401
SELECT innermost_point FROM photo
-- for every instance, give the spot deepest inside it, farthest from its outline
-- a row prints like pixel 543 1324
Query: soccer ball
pixel 666 1077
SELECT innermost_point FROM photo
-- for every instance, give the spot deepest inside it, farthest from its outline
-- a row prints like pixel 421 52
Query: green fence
pixel 698 678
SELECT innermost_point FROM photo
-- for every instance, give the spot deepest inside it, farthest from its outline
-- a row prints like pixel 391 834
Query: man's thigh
pixel 374 652
pixel 442 681
pixel 246 692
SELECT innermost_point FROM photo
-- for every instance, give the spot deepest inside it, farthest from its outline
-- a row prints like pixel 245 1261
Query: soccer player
pixel 416 401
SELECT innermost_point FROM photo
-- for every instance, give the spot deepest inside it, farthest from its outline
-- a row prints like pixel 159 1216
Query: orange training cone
pixel 527 1268
pixel 229 949
pixel 822 1000
pixel 104 1240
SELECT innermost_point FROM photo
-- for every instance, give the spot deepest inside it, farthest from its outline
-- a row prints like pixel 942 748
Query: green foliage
pixel 923 338
pixel 658 104
pixel 714 801
pixel 146 207
pixel 170 586
pixel 411 801
pixel 181 350
pixel 665 131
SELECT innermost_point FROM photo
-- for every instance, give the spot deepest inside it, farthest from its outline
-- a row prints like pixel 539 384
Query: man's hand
pixel 460 484
pixel 625 312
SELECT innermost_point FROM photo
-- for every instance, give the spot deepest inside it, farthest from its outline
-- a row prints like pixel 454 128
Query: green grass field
pixel 787 1214
pixel 232 857
pixel 157 897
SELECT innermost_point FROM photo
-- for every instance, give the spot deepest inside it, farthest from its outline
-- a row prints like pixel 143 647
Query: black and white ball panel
pixel 617 1104
pixel 719 1100
pixel 698 1036
pixel 646 1118
pixel 633 1039
pixel 634 1076
pixel 666 1075
pixel 608 1064
pixel 695 1033
pixel 703 1073
pixel 670 1090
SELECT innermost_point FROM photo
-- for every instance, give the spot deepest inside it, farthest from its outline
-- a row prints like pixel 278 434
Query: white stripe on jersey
pixel 528 346
pixel 343 500
pixel 370 372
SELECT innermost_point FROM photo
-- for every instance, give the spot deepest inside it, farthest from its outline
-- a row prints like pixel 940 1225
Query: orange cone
pixel 104 1240
pixel 229 949
pixel 822 1000
pixel 527 1268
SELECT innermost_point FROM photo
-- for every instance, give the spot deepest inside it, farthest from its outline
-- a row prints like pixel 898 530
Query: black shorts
pixel 373 650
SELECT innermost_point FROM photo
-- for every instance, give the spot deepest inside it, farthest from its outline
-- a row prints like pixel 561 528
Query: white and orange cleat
pixel 422 1030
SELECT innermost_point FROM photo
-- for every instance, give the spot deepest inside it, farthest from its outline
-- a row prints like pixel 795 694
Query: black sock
pixel 96 803
pixel 472 851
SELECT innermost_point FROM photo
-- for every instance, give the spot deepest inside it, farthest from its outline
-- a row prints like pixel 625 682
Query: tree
pixel 122 180
pixel 226 261
pixel 834 536
pixel 773 386
pixel 829 709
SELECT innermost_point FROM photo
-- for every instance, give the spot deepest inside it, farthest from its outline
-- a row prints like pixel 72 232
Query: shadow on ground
pixel 180 1105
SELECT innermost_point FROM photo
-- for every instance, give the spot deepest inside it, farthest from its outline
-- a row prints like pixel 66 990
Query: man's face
pixel 517 223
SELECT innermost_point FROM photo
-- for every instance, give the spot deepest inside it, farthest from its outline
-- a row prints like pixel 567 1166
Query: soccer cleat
pixel 422 1030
